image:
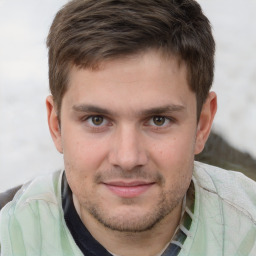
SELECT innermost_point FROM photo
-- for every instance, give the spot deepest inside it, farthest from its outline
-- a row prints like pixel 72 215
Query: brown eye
pixel 97 120
pixel 159 120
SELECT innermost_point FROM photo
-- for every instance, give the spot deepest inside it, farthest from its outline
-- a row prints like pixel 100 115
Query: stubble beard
pixel 129 222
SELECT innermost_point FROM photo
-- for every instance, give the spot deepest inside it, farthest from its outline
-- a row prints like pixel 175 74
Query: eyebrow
pixel 91 109
pixel 147 112
pixel 163 109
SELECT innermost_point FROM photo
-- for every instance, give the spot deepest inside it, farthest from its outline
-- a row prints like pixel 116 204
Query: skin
pixel 129 135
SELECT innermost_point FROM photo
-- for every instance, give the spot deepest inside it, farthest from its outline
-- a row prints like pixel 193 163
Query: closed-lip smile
pixel 128 189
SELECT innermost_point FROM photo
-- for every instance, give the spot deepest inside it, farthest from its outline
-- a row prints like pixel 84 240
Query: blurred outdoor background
pixel 26 149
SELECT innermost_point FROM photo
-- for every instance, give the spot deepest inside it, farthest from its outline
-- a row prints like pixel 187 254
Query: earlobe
pixel 205 121
pixel 53 123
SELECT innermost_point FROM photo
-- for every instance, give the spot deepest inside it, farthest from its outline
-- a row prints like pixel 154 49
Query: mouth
pixel 128 189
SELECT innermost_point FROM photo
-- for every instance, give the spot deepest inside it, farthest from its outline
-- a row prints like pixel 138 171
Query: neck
pixel 148 243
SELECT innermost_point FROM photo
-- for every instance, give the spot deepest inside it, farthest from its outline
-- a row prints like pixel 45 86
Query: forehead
pixel 133 81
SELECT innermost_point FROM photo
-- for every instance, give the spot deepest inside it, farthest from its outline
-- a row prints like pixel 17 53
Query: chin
pixel 130 219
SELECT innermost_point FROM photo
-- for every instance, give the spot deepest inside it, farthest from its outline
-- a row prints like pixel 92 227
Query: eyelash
pixel 168 121
pixel 107 122
pixel 96 128
pixel 89 119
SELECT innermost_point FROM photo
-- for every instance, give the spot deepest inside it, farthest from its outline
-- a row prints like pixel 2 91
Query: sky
pixel 26 149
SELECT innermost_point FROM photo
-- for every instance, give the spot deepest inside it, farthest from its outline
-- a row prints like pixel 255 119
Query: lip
pixel 128 189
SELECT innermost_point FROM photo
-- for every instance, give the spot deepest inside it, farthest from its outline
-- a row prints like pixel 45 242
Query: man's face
pixel 128 135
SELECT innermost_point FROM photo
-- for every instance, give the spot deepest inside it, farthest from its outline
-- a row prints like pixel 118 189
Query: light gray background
pixel 26 149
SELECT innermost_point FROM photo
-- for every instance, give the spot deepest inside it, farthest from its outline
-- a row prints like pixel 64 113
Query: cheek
pixel 177 162
pixel 174 159
pixel 85 155
pixel 174 149
pixel 82 160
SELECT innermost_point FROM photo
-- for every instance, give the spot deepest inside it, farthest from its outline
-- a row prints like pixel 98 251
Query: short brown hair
pixel 87 32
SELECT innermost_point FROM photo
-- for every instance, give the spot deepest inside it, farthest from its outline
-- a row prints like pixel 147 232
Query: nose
pixel 128 149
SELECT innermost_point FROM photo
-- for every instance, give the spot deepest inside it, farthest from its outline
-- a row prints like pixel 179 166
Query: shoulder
pixel 43 188
pixel 233 189
pixel 35 209
pixel 32 209
pixel 8 195
pixel 224 216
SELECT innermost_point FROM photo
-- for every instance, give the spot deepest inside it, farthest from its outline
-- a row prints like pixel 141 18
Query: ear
pixel 53 123
pixel 205 122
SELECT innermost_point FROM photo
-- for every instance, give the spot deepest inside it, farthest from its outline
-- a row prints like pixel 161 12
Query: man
pixel 129 110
